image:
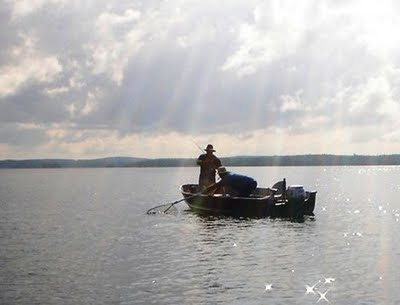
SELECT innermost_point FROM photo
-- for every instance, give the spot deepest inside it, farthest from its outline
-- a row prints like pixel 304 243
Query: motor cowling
pixel 296 196
pixel 296 192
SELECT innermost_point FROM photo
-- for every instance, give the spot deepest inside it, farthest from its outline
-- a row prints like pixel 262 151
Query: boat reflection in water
pixel 292 202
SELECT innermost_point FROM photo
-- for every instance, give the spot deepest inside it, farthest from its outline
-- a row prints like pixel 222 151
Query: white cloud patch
pixel 84 108
pixel 29 65
pixel 71 108
pixel 28 126
pixel 90 104
pixel 76 82
pixel 109 19
pixel 259 48
pixel 22 8
pixel 113 48
pixel 260 42
pixel 39 69
pixel 55 91
pixel 292 103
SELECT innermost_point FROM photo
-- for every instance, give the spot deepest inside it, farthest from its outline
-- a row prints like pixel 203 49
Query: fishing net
pixel 167 208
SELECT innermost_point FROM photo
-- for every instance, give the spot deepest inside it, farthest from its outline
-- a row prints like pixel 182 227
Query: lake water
pixel 82 236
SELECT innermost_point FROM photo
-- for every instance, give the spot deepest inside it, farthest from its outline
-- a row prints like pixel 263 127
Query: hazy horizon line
pixel 195 157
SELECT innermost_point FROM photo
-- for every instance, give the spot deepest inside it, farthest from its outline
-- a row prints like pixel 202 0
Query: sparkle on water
pixel 316 290
pixel 268 287
pixel 311 289
pixel 322 296
pixel 329 280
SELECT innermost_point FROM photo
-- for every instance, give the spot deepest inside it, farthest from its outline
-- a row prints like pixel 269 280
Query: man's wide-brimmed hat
pixel 209 148
pixel 222 170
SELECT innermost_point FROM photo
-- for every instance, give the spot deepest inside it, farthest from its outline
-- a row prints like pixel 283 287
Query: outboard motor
pixel 296 196
pixel 296 192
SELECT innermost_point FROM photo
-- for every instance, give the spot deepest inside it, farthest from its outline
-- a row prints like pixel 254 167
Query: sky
pixel 89 79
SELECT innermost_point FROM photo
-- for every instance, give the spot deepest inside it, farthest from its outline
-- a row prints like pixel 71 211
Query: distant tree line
pixel 313 160
pixel 295 160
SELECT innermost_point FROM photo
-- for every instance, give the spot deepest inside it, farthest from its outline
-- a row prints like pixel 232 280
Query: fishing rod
pixel 202 150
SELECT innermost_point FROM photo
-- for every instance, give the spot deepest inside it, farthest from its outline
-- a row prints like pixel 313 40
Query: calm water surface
pixel 81 236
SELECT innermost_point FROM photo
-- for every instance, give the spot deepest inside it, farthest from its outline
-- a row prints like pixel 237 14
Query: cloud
pixel 260 42
pixel 22 8
pixel 22 135
pixel 115 42
pixel 292 103
pixel 130 71
pixel 52 92
pixel 28 65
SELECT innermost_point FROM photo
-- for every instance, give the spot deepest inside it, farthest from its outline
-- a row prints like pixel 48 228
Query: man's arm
pixel 200 160
pixel 210 188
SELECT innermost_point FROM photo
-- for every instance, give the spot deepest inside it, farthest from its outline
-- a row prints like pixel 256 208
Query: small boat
pixel 291 202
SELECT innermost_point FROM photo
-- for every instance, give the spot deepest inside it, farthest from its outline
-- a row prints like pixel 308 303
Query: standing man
pixel 208 165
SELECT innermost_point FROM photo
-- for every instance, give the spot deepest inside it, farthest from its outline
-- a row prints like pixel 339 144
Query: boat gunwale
pixel 223 196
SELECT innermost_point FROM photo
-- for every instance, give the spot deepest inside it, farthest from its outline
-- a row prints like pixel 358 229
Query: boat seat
pixel 280 187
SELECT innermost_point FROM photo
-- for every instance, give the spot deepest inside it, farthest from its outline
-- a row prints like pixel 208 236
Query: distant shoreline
pixel 292 160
